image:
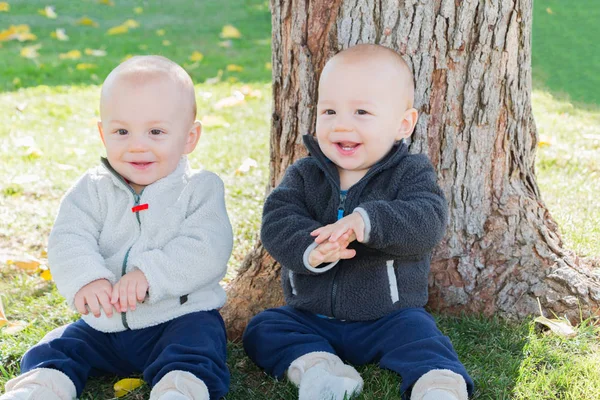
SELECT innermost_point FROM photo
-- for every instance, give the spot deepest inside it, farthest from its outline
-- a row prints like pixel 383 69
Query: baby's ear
pixel 192 137
pixel 101 131
pixel 407 125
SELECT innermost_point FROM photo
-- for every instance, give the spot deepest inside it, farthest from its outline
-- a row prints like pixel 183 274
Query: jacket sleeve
pixel 412 224
pixel 73 252
pixel 286 224
pixel 197 256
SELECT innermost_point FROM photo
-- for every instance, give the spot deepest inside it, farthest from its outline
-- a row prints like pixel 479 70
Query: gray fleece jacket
pixel 176 232
pixel 405 216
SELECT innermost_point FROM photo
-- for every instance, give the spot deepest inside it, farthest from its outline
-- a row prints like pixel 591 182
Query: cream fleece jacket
pixel 181 242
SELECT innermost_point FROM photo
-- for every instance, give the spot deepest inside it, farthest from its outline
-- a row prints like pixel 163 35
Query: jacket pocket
pixel 393 281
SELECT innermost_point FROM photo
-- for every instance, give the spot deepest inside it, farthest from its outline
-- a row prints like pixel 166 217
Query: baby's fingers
pixel 347 253
pixel 340 233
pixel 80 305
pixel 141 292
pixel 92 302
pixel 114 297
pixel 104 299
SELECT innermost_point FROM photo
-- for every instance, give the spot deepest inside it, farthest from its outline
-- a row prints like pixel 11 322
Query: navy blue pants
pixel 194 342
pixel 406 341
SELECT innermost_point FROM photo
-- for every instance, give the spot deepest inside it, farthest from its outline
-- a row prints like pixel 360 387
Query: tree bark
pixel 472 65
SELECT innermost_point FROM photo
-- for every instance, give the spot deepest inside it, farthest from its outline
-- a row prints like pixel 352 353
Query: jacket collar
pixel 181 170
pixel 398 151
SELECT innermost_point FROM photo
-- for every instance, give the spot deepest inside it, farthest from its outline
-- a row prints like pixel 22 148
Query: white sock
pixel 320 384
pixel 179 385
pixel 40 384
pixel 440 384
pixel 173 395
pixel 324 376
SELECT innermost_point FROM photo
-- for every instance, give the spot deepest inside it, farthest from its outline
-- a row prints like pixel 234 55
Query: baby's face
pixel 359 114
pixel 146 128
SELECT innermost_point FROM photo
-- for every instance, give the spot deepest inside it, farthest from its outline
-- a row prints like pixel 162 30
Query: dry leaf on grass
pixel 561 327
pixel 230 32
pixel 231 101
pixel 246 165
pixel 126 385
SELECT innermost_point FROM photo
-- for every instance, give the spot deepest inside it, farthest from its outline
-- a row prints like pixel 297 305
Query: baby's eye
pixel 329 112
pixel 361 112
pixel 121 132
pixel 156 132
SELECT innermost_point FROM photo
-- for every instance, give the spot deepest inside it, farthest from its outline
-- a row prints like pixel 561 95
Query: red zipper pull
pixel 139 208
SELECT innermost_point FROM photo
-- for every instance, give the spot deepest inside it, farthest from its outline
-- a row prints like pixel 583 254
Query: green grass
pixel 48 138
pixel 189 26
pixel 565 56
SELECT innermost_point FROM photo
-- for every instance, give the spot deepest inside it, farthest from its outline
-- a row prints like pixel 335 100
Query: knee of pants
pixel 261 327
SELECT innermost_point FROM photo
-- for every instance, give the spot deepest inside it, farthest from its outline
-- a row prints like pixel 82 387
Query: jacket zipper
pixel 340 215
pixel 136 198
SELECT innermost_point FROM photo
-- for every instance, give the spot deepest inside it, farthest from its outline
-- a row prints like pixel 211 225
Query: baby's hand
pixel 329 252
pixel 95 294
pixel 130 289
pixel 352 223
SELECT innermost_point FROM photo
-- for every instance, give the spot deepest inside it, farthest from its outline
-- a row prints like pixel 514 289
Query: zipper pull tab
pixel 340 214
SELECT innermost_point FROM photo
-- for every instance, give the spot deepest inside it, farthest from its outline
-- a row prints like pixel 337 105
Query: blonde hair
pixel 367 52
pixel 140 69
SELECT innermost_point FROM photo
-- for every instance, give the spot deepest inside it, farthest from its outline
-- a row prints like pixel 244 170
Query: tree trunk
pixel 472 65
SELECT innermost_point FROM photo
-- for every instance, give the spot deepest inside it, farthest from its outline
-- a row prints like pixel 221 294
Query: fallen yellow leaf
pixel 25 36
pixel 4 6
pixel 215 79
pixel 3 320
pixel 160 32
pixel 268 66
pixel 246 165
pixel 127 57
pixel 234 68
pixel 166 42
pixel 249 92
pixel 16 81
pixel 84 66
pixel 118 30
pixel 138 10
pixel 70 55
pixel 30 264
pixel 17 32
pixel 44 254
pixel 31 51
pixel 46 275
pixel 558 326
pixel 231 101
pixel 214 120
pixel 95 53
pixel 106 2
pixel 48 12
pixel 86 21
pixel 196 56
pixel 131 23
pixel 60 34
pixel 14 327
pixel 126 385
pixel 549 11
pixel 230 32
pixel 33 153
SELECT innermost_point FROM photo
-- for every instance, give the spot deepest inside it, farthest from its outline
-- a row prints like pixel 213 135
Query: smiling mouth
pixel 347 147
pixel 140 164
